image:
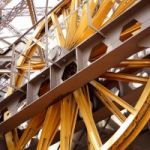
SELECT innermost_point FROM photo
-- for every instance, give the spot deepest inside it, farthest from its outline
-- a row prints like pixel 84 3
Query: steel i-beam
pixel 85 71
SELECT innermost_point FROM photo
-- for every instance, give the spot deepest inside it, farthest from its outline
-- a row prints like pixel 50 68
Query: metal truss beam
pixel 2 71
pixel 5 41
pixel 39 21
pixel 80 55
pixel 8 58
pixel 14 30
pixel 40 11
pixel 12 36
pixel 3 3
pixel 12 14
pixel 4 58
pixel 32 11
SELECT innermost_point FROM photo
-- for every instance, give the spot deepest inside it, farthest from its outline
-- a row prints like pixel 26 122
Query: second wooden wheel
pixel 123 91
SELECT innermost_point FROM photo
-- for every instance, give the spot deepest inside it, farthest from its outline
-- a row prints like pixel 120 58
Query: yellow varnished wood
pixel 85 110
pixel 50 127
pixel 124 4
pixel 111 106
pixel 135 63
pixel 72 22
pixel 33 127
pixel 83 23
pixel 125 77
pixel 58 30
pixel 113 97
pixel 69 111
pixel 11 137
pixel 97 19
pixel 77 30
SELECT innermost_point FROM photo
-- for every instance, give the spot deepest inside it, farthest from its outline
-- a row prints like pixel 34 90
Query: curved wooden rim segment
pixel 64 99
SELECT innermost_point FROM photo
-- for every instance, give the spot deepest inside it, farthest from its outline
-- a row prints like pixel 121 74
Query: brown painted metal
pixel 85 73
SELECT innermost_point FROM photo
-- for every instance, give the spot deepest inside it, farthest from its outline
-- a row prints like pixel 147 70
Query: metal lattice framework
pixel 40 11
pixel 3 3
pixel 12 14
pixel 98 68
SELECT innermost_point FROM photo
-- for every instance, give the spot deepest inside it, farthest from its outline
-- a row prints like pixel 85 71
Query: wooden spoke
pixel 11 137
pixel 82 19
pixel 36 66
pixel 98 19
pixel 134 63
pixel 40 44
pixel 65 14
pixel 135 127
pixel 88 119
pixel 83 24
pixel 86 93
pixel 69 111
pixel 50 127
pixel 33 127
pixel 125 77
pixel 145 95
pixel 121 8
pixel 72 22
pixel 59 33
pixel 130 30
pixel 111 106
pixel 90 146
pixel 113 97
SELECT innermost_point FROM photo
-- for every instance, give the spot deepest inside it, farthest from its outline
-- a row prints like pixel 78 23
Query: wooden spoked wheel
pixel 130 126
pixel 131 109
pixel 112 95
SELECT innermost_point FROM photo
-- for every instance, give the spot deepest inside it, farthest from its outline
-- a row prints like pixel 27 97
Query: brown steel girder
pixel 85 73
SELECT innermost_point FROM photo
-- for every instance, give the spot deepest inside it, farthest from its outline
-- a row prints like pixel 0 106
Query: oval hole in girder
pixel 98 51
pixel 45 87
pixel 2 114
pixel 69 70
pixel 130 29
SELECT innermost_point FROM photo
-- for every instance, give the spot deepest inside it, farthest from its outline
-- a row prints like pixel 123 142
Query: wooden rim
pixel 70 105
